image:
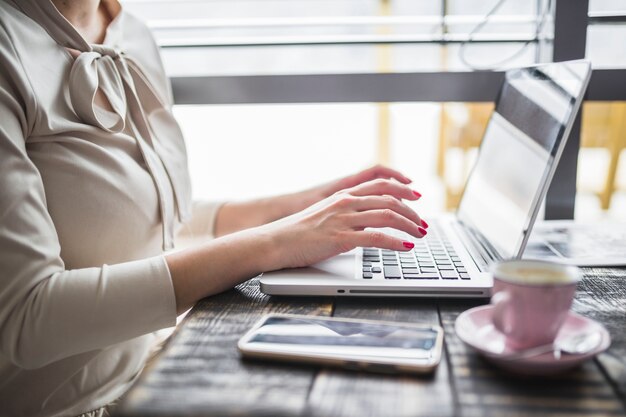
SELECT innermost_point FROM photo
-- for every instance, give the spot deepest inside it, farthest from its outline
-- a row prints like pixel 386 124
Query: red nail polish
pixel 424 224
pixel 408 245
pixel 418 195
pixel 422 230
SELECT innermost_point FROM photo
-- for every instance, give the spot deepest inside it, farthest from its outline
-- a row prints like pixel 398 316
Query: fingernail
pixel 422 230
pixel 418 195
pixel 408 245
pixel 424 224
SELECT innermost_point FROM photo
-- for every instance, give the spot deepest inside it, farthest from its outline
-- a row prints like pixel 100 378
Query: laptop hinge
pixel 482 252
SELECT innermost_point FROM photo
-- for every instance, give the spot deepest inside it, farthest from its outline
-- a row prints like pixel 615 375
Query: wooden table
pixel 200 372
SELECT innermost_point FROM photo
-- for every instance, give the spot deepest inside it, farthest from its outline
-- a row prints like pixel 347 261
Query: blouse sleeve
pixel 202 222
pixel 46 311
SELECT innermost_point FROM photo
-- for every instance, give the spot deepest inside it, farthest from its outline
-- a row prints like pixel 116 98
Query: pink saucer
pixel 475 328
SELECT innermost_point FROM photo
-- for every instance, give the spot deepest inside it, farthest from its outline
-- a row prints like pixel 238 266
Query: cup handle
pixel 499 301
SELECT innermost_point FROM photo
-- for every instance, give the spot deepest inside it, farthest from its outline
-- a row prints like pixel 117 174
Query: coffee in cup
pixel 531 300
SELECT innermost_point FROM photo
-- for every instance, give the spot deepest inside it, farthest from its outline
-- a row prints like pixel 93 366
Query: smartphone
pixel 354 344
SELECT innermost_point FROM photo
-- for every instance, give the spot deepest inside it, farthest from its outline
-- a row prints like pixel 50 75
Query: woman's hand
pixel 339 223
pixel 293 203
pixel 334 225
pixel 235 216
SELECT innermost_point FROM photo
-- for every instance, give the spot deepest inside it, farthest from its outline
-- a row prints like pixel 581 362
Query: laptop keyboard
pixel 432 258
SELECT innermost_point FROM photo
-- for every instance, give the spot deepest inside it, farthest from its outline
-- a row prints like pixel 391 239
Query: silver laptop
pixel 524 139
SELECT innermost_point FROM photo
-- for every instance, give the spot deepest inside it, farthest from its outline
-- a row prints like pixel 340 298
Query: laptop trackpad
pixel 341 266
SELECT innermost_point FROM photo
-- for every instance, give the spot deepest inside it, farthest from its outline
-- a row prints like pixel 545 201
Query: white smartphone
pixel 354 344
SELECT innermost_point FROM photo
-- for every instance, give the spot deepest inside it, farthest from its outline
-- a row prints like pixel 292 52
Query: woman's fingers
pixel 385 187
pixel 378 239
pixel 385 218
pixel 387 202
pixel 370 174
pixel 380 171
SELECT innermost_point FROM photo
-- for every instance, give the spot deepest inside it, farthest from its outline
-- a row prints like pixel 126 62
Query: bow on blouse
pixel 130 104
pixel 97 70
pixel 121 81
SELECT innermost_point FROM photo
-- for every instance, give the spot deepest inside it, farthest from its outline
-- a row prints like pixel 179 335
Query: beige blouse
pixel 93 189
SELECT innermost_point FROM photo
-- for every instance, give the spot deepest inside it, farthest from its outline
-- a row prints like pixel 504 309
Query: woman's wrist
pixel 236 216
pixel 265 252
pixel 289 204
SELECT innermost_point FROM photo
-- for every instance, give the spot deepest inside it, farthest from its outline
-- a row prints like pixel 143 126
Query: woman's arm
pixel 48 312
pixel 332 226
pixel 235 216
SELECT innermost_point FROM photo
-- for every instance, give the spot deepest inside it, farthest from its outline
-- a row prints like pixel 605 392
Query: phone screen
pixel 350 338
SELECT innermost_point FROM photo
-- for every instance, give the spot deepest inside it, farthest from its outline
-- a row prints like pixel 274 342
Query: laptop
pixel 522 144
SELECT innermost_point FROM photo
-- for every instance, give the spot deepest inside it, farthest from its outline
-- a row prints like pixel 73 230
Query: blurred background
pixel 239 151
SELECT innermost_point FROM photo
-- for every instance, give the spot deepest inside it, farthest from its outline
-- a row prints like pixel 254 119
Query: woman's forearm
pixel 218 265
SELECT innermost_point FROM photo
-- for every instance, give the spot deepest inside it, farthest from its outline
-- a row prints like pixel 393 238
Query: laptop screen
pixel 523 139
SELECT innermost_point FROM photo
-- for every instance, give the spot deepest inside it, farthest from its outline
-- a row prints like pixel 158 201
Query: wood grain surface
pixel 602 296
pixel 200 372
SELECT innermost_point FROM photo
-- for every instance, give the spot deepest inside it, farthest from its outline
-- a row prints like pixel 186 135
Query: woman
pixel 93 191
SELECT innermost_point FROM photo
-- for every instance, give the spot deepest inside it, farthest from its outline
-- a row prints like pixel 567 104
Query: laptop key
pixel 461 269
pixel 410 271
pixel 445 267
pixel 366 269
pixel 431 270
pixel 449 275
pixel 392 272
pixel 443 262
pixel 464 275
pixel 367 275
pixel 421 276
pixel 377 269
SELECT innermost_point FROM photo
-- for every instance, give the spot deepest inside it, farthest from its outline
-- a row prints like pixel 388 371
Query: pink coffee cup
pixel 531 300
